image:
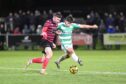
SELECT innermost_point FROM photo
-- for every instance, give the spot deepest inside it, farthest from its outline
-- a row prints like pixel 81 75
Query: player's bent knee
pixel 70 50
pixel 49 52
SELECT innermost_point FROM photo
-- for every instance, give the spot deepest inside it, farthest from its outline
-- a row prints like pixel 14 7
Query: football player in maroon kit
pixel 47 42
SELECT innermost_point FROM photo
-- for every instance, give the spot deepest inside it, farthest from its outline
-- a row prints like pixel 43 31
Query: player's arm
pixel 87 26
pixel 44 30
pixel 53 45
pixel 58 31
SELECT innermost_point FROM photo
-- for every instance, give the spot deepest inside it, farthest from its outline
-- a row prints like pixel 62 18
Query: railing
pixel 14 41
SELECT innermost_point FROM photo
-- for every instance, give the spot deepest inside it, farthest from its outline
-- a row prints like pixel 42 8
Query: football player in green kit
pixel 64 31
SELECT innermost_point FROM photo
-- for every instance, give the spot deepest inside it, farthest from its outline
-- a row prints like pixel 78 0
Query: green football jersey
pixel 66 36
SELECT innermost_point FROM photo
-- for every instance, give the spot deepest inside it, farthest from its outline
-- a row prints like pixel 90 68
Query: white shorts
pixel 65 47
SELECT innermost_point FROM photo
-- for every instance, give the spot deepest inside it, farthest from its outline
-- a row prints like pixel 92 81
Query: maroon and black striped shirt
pixel 50 27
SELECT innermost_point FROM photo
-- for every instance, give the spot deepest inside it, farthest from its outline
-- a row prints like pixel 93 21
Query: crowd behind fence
pixel 32 41
pixel 31 22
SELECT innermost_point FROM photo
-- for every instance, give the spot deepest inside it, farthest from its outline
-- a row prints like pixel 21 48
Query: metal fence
pixel 32 41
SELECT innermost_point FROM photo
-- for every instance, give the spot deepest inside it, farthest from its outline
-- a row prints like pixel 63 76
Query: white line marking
pixel 80 72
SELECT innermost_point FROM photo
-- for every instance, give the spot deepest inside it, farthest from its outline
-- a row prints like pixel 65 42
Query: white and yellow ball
pixel 73 69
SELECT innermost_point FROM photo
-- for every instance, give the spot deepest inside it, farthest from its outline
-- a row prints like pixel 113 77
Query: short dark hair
pixel 69 19
pixel 57 14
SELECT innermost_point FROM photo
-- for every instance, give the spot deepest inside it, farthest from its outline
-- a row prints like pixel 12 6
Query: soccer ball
pixel 73 69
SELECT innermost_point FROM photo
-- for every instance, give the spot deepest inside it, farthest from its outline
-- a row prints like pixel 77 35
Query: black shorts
pixel 45 43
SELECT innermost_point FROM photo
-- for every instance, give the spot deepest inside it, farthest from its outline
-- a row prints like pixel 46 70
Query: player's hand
pixel 44 34
pixel 95 26
pixel 54 45
pixel 58 32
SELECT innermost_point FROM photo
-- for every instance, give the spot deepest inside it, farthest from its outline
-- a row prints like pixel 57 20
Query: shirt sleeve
pixel 75 26
pixel 46 25
pixel 59 27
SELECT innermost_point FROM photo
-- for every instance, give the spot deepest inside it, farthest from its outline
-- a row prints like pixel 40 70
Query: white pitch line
pixel 104 73
pixel 80 72
pixel 8 68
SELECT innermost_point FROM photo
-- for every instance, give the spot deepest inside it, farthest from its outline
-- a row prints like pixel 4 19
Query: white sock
pixel 74 57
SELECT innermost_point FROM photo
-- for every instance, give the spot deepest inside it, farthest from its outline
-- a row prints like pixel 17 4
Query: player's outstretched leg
pixel 44 66
pixel 80 62
pixel 57 64
pixel 43 72
pixel 76 59
pixel 60 60
pixel 34 60
pixel 28 64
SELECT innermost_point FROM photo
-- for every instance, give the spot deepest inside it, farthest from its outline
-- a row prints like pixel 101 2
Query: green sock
pixel 62 58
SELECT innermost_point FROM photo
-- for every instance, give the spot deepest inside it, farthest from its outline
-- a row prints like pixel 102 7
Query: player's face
pixel 67 23
pixel 56 19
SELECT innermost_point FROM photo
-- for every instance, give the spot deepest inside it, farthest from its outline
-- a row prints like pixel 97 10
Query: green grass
pixel 100 67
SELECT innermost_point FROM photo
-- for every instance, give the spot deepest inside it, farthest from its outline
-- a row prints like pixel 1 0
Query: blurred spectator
pixel 91 20
pixel 50 15
pixel 2 38
pixel 32 18
pixel 17 31
pixel 105 16
pixel 121 22
pixel 111 29
pixel 44 17
pixel 95 39
pixel 38 18
pixel 23 18
pixel 10 22
pixel 110 20
pixel 2 19
pixel 101 31
pixel 116 17
pixel 26 42
pixel 117 31
pixel 125 29
pixel 97 19
pixel 32 29
pixel 26 30
pixel 38 30
pixel 2 29
pixel 20 12
pixel 28 18
pixel 17 20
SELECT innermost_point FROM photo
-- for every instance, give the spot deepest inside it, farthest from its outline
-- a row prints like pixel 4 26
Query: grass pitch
pixel 100 67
